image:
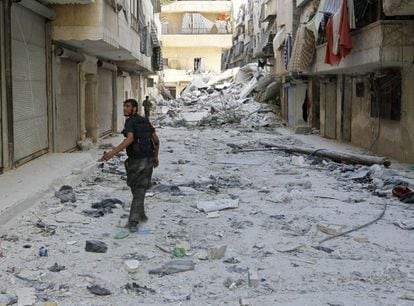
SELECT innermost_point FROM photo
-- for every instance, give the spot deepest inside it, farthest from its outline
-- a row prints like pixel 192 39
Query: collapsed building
pixel 343 67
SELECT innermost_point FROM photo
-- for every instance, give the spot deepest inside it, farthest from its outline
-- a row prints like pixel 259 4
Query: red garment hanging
pixel 330 57
pixel 345 40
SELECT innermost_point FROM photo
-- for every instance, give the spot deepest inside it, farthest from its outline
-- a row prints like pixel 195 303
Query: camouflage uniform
pixel 139 172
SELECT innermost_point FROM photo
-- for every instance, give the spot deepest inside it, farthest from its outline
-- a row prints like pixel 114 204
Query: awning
pixel 68 1
pixel 279 39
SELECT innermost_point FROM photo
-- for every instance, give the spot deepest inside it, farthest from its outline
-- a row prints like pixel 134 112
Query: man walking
pixel 147 107
pixel 142 146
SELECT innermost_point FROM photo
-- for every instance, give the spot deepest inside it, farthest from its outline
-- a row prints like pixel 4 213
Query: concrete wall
pixel 395 138
pixel 381 44
pixel 222 41
pixel 183 58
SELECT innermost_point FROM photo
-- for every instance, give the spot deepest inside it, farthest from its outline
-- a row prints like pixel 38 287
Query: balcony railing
pixel 198 31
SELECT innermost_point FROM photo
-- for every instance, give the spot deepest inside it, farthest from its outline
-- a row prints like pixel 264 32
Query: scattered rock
pixel 131 265
pixel 96 246
pixel 231 260
pixel 216 252
pixel 253 278
pixel 56 268
pixel 98 290
pixel 8 299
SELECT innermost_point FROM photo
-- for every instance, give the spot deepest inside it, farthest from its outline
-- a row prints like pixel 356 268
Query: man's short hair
pixel 133 102
pixel 146 97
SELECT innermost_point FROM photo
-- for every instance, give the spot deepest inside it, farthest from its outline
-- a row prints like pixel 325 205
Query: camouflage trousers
pixel 139 172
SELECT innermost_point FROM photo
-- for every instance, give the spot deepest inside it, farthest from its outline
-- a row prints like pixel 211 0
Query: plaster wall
pixel 387 137
pixel 219 41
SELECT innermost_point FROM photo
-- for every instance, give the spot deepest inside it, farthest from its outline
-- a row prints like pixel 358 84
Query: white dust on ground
pixel 372 266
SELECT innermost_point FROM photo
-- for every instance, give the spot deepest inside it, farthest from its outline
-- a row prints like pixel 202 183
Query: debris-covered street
pixel 226 225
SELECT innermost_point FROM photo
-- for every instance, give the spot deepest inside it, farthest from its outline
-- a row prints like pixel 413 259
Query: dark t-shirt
pixel 142 130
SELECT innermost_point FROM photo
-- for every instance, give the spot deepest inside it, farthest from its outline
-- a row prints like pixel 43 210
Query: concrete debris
pixel 131 265
pixel 174 266
pixel 209 206
pixel 85 145
pixel 253 278
pixel 177 295
pixel 8 299
pixel 231 284
pixel 406 225
pixel 138 289
pixel 216 252
pixel 96 246
pixel 56 268
pixel 26 296
pixel 244 302
pixel 223 100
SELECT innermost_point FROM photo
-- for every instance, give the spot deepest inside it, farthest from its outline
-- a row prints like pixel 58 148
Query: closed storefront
pixel 105 108
pixel 30 107
pixel 66 105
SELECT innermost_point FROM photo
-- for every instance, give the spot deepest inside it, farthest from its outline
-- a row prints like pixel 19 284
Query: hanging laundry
pixel 303 50
pixel 345 39
pixel 314 24
pixel 338 34
pixel 330 57
pixel 351 15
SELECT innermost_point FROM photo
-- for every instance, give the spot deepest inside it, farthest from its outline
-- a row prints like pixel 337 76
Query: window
pixel 197 64
pixel 134 15
pixel 165 62
pixel 386 95
pixel 150 82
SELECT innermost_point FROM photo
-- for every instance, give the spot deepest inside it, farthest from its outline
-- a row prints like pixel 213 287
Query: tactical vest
pixel 142 146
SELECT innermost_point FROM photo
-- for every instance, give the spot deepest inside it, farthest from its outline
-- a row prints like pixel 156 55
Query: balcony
pixel 384 43
pixel 100 30
pixel 189 40
pixel 197 6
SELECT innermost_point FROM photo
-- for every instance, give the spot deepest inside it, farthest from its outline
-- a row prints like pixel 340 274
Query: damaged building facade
pixel 344 67
pixel 194 35
pixel 66 66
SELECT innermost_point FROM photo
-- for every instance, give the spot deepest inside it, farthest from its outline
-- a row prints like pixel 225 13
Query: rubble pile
pixel 226 99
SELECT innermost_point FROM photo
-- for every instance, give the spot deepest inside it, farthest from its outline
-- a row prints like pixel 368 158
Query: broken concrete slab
pixel 174 266
pixel 216 252
pixel 221 204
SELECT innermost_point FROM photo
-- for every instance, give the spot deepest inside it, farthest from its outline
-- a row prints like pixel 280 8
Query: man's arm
pixel 127 141
pixel 156 143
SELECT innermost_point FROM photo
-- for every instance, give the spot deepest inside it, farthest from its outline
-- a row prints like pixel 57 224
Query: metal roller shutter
pixel 105 102
pixel 29 83
pixel 67 106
